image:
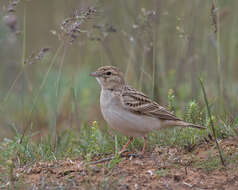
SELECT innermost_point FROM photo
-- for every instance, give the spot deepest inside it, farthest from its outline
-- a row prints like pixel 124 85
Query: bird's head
pixel 109 77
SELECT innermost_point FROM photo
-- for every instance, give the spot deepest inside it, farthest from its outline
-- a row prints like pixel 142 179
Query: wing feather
pixel 139 103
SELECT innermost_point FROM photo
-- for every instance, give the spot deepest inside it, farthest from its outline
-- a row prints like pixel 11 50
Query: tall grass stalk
pixel 142 69
pixel 57 93
pixel 218 52
pixel 154 61
pixel 24 39
pixel 75 107
pixel 5 99
pixel 46 77
pixel 211 122
pixel 40 89
pixel 22 66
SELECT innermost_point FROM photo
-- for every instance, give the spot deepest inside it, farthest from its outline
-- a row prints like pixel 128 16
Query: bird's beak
pixel 94 74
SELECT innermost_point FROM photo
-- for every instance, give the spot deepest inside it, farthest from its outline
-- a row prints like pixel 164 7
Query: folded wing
pixel 139 103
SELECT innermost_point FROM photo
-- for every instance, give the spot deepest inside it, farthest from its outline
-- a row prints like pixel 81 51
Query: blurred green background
pixel 159 44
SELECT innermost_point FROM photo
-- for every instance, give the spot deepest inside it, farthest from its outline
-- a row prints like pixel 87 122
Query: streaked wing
pixel 139 103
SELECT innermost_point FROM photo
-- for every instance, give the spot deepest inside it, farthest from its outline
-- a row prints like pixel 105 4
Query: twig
pixel 212 124
pixel 102 160
pixel 113 157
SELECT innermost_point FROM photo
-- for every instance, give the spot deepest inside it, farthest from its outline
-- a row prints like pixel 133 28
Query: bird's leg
pixel 126 145
pixel 143 150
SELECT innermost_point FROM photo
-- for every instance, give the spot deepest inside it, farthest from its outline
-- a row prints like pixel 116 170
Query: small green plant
pixel 163 172
pixel 93 140
pixel 114 162
pixel 195 113
pixel 172 101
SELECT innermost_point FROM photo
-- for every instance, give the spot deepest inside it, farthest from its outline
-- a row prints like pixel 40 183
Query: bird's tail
pixel 182 124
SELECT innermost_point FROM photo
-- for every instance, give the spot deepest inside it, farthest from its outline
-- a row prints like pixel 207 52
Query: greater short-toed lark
pixel 131 112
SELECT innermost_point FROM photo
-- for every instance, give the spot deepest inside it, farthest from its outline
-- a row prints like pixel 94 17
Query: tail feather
pixel 195 126
pixel 182 124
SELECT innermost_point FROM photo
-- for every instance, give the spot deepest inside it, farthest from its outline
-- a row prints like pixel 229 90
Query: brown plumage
pixel 129 111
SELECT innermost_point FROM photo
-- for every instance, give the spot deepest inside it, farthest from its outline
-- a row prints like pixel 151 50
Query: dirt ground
pixel 164 168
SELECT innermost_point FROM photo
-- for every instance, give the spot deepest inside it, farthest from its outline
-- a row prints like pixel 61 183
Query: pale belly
pixel 125 122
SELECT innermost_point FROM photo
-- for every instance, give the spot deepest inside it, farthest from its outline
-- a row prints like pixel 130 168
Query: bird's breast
pixel 107 99
pixel 122 120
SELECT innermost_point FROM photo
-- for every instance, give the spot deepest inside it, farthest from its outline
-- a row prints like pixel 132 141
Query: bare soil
pixel 164 168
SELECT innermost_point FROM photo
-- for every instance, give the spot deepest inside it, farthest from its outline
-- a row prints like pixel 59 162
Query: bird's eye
pixel 108 73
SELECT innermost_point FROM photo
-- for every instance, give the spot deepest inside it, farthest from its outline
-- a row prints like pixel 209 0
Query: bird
pixel 129 111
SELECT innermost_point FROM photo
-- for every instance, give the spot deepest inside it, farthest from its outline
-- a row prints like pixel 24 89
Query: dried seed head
pixel 214 17
pixel 36 57
pixel 70 28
